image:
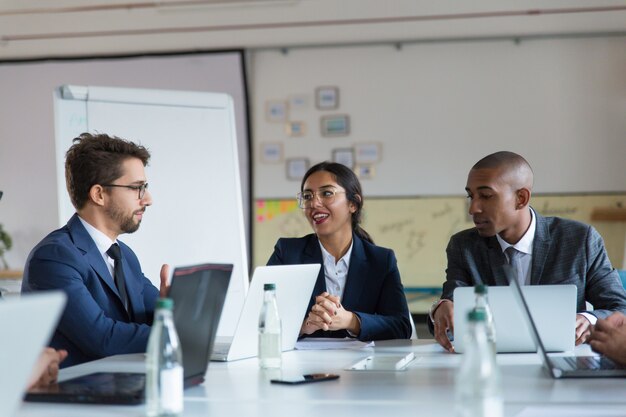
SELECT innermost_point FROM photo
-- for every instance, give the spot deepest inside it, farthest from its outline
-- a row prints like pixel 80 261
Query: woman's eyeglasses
pixel 325 196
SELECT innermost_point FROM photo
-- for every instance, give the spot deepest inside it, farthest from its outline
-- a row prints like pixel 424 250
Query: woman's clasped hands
pixel 328 314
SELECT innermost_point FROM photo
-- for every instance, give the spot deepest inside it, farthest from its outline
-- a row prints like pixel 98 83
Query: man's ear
pixel 96 194
pixel 522 198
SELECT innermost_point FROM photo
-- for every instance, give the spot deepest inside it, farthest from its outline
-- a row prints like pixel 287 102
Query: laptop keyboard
pixel 589 362
pixel 105 383
pixel 220 348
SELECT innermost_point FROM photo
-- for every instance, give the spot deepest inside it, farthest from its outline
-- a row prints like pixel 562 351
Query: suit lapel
pixel 541 247
pixel 357 273
pixel 313 255
pixel 497 260
pixel 85 243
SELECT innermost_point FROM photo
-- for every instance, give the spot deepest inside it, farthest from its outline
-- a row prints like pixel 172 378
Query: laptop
pixel 198 292
pixel 569 366
pixel 294 287
pixel 554 304
pixel 38 314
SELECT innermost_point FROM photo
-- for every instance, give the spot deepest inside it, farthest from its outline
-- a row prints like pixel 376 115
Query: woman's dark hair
pixel 348 180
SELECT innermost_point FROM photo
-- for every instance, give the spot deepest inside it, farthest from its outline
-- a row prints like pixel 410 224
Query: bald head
pixel 499 188
pixel 513 168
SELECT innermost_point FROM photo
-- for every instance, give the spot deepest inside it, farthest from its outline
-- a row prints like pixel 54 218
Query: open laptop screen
pixel 554 304
pixel 198 292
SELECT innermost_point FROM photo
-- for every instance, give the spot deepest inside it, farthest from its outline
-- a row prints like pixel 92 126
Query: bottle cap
pixel 269 287
pixel 165 303
pixel 480 289
pixel 476 315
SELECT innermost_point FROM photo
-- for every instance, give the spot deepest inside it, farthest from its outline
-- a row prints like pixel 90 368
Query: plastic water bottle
pixel 477 391
pixel 164 365
pixel 270 345
pixel 482 304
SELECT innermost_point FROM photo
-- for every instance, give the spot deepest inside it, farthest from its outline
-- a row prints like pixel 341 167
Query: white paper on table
pixel 383 363
pixel 572 411
pixel 322 343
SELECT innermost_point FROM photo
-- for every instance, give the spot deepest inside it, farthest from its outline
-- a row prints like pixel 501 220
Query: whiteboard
pixel 197 212
pixel 419 240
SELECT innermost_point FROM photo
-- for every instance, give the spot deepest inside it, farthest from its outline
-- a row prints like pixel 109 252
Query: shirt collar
pixel 330 258
pixel 525 244
pixel 102 241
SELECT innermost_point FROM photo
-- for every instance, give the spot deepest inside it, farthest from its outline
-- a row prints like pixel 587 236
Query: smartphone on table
pixel 304 379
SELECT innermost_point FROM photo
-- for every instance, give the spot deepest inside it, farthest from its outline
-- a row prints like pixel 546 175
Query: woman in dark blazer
pixel 358 292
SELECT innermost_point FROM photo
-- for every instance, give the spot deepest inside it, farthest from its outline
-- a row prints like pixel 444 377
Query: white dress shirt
pixel 336 272
pixel 103 243
pixel 525 247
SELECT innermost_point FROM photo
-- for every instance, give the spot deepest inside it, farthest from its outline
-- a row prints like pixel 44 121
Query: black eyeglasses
pixel 140 188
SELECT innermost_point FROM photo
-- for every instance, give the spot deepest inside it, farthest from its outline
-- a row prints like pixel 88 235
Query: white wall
pixel 437 108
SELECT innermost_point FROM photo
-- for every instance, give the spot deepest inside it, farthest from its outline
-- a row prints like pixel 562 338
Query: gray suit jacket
pixel 564 252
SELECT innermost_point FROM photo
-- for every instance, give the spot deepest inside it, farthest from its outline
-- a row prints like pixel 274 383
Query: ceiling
pixel 37 28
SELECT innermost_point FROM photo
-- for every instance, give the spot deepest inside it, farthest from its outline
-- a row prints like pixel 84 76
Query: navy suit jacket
pixel 373 288
pixel 564 252
pixel 95 323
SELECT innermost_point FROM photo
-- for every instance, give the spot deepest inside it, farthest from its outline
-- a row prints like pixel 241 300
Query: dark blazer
pixel 564 252
pixel 373 289
pixel 94 324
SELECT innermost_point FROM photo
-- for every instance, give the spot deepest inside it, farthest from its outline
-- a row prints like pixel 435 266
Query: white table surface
pixel 426 388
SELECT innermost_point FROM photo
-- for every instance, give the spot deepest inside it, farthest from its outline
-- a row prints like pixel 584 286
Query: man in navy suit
pixel 543 250
pixel 110 302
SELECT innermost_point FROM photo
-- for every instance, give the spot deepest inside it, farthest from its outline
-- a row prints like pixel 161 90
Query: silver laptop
pixel 294 287
pixel 26 324
pixel 554 306
pixel 569 366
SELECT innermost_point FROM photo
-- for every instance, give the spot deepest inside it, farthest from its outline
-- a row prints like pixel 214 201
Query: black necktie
pixel 116 254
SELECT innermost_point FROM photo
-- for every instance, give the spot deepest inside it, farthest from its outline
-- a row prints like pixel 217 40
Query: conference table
pixel 424 388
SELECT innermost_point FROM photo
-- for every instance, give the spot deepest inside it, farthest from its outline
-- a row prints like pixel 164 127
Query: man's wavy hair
pixel 97 159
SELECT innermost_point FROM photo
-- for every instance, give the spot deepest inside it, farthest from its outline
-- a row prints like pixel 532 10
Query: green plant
pixel 5 245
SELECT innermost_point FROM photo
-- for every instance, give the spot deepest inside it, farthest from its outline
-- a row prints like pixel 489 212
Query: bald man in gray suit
pixel 543 250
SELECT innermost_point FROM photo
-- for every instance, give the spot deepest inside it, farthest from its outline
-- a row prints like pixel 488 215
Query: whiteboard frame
pixel 72 117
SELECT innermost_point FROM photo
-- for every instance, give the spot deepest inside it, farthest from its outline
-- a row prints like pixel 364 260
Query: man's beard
pixel 127 224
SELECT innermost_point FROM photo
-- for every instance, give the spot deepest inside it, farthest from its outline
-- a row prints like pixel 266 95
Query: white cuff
pixel 592 319
pixel 435 306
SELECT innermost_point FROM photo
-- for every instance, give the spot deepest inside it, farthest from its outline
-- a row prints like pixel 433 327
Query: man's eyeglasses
pixel 140 188
pixel 325 196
